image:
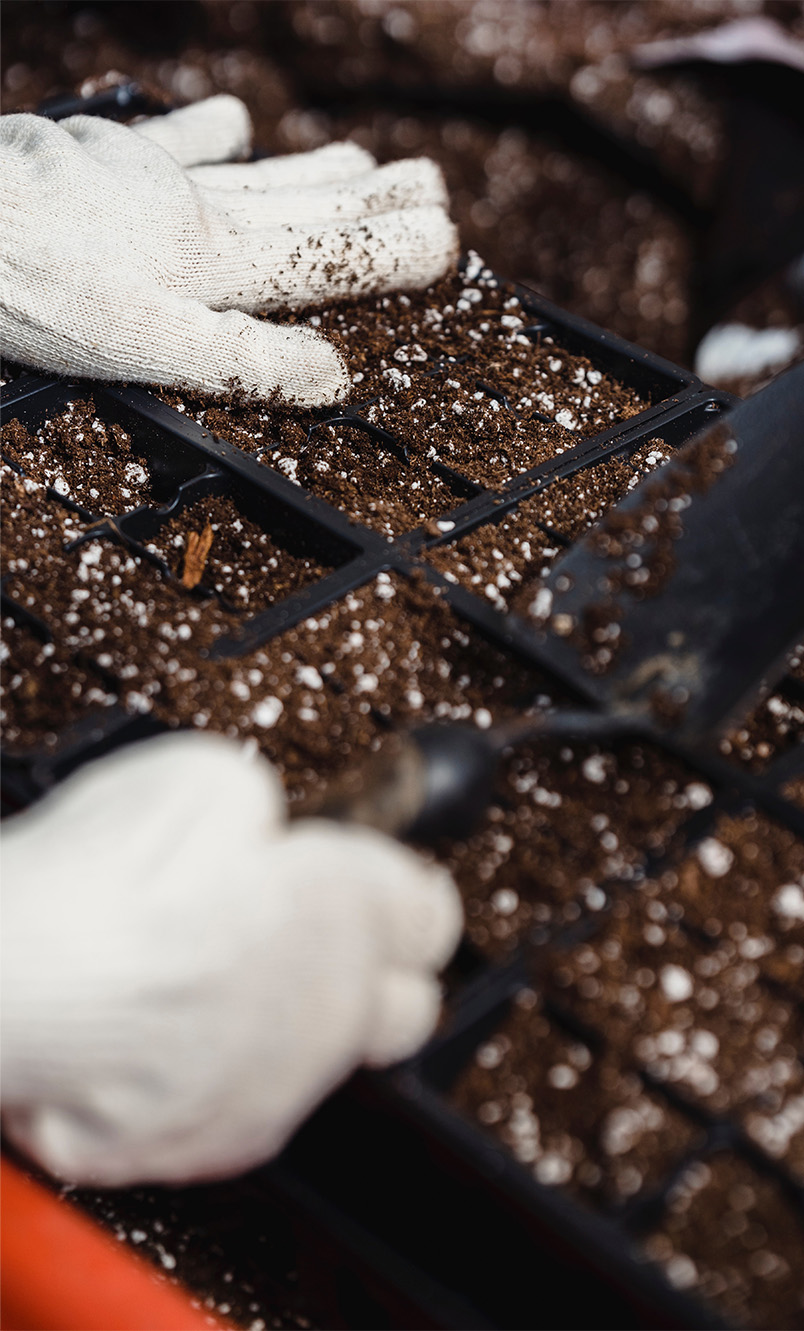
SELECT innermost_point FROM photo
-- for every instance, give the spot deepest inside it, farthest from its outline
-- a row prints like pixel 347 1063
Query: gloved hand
pixel 116 262
pixel 185 975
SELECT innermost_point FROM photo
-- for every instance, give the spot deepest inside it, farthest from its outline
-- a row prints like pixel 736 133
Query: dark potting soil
pixel 774 727
pixel 571 822
pixel 372 483
pixel 398 645
pixel 699 1016
pixel 254 427
pixel 431 370
pixel 35 530
pixel 83 457
pixel 244 563
pixel 245 1274
pixel 745 882
pixel 574 1118
pixel 44 690
pixel 497 559
pixel 794 790
pixel 729 1235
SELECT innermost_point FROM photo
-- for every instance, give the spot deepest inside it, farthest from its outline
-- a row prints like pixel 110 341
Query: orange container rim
pixel 63 1272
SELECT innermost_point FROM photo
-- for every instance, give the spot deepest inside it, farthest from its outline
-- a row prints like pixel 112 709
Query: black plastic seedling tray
pixel 390 1155
pixel 446 1229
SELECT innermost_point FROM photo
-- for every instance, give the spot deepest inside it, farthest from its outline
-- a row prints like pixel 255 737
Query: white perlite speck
pixel 267 712
pixel 542 603
pixel 676 983
pixel 309 676
pixel 504 901
pixel 698 795
pixel 563 1077
pixel 789 902
pixel 594 769
pixel 714 858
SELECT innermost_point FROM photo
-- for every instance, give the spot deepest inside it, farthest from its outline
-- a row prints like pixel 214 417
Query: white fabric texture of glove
pixel 140 253
pixel 185 974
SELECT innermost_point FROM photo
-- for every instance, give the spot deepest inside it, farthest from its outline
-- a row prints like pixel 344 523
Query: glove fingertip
pixel 405 1015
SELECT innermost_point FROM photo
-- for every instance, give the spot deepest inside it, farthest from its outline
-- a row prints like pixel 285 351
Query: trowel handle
pixel 436 781
pixel 424 784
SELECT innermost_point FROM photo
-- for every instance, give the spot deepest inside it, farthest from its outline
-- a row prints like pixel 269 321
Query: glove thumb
pixel 215 130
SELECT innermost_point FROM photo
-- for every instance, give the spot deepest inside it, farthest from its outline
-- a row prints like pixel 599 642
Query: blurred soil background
pixel 648 202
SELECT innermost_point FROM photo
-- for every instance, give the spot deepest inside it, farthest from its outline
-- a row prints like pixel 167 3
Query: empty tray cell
pixel 44 690
pixel 464 428
pixel 730 1235
pixel 573 1116
pixel 696 1017
pixel 352 467
pixel 496 558
pixel 397 644
pixel 745 882
pixel 774 726
pixel 82 456
pixel 569 822
pixel 214 543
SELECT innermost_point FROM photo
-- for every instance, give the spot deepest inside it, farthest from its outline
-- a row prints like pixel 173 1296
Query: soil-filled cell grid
pixel 698 1016
pixel 459 375
pixel 369 477
pixel 571 822
pixel 504 560
pixel 574 1117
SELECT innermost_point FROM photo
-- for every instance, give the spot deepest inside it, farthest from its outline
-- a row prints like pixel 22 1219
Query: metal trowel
pixel 664 619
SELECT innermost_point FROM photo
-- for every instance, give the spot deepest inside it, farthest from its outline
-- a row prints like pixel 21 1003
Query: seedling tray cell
pixel 159 462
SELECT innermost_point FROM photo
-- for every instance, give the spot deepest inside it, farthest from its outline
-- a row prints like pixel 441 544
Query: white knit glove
pixel 116 261
pixel 185 975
